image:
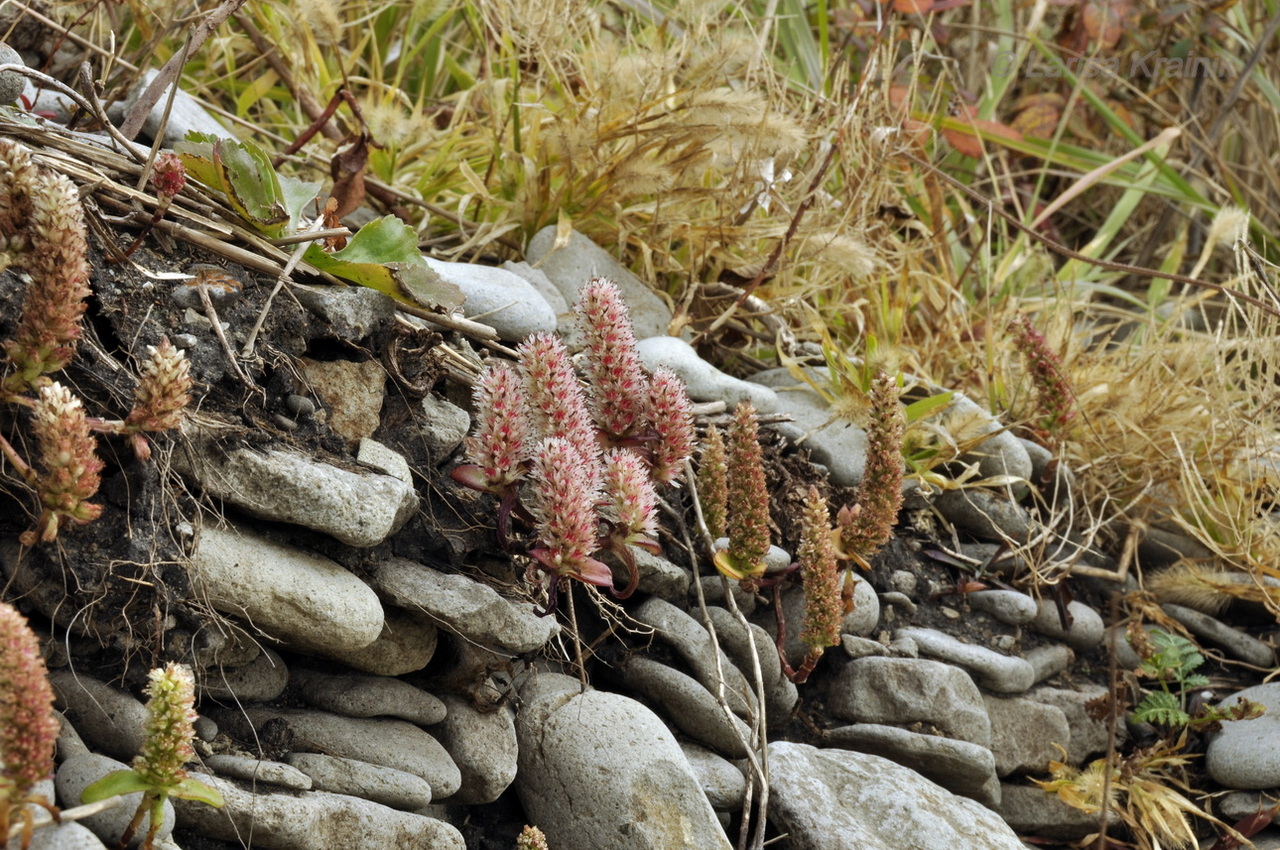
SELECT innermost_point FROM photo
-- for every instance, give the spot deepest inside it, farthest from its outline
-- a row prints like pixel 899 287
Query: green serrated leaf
pixel 115 784
pixel 383 255
pixel 193 789
pixel 1161 708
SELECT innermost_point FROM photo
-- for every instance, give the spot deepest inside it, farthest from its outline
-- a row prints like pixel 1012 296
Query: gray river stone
pixel 462 605
pixel 359 509
pixel 704 381
pixel 314 820
pixel 385 785
pixel 368 696
pixel 1005 674
pixel 1245 754
pixel 304 600
pixel 501 299
pixel 79 772
pixel 572 265
pixel 836 799
pixel 599 770
pixel 959 766
pixel 377 740
pixel 906 690
pixel 107 718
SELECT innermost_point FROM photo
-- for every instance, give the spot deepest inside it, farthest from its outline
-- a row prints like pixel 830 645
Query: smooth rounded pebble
pixel 958 766
pixel 304 600
pixel 501 299
pixel 406 644
pixel 1030 810
pixel 368 696
pixel 1237 644
pixel 79 772
pixel 11 82
pixel 1049 660
pixel 360 509
pixel 572 265
pixel 985 513
pixel 724 784
pixel 483 746
pixel 693 643
pixel 1004 674
pixel 315 820
pixel 1086 628
pixel 391 743
pixel 906 690
pixel 837 444
pixel 66 836
pixel 1000 454
pixel 1245 754
pixel 1008 606
pixel 687 704
pixel 599 770
pixel 110 720
pixel 261 680
pixel 865 616
pixel 704 381
pixel 384 785
pixel 463 606
pixel 829 799
pixel 258 770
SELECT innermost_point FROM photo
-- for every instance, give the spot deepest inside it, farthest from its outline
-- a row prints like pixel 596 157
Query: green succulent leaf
pixel 193 789
pixel 383 255
pixel 272 203
pixel 115 784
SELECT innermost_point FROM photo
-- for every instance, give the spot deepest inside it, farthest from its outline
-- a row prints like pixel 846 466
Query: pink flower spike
pixel 564 508
pixel 631 500
pixel 620 390
pixel 671 414
pixel 500 443
pixel 557 403
pixel 28 729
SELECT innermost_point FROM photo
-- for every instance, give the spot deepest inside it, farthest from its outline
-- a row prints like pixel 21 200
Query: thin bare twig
pixel 169 73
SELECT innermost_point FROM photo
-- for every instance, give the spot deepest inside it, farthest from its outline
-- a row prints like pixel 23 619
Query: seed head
pixel 823 608
pixel 868 525
pixel 164 389
pixel 713 488
pixel 631 501
pixel 748 520
pixel 168 176
pixel 70 467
